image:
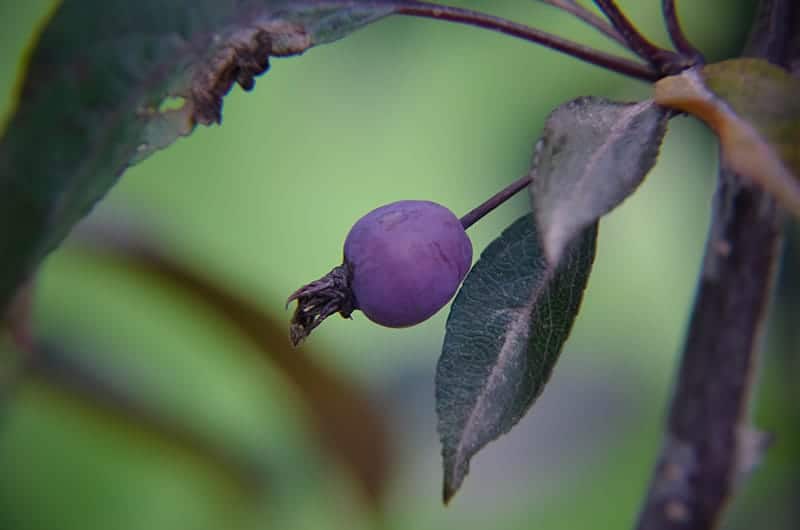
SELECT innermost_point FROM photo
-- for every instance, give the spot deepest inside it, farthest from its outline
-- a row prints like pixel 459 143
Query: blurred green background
pixel 157 405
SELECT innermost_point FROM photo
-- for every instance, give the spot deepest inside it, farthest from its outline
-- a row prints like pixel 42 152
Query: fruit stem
pixel 665 61
pixel 458 15
pixel 476 214
pixel 676 34
pixel 578 11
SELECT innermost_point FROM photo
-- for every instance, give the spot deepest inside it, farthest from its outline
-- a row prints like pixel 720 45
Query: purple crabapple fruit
pixel 402 263
pixel 407 260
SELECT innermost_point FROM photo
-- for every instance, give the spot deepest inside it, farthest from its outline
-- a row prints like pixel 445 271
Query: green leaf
pixel 504 334
pixel 95 93
pixel 592 155
pixel 754 108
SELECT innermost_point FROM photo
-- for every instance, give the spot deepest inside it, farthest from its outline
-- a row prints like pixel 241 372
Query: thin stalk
pixel 494 201
pixel 580 12
pixel 664 61
pixel 611 62
pixel 676 34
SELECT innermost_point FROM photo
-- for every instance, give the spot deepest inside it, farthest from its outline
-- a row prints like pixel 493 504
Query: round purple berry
pixel 406 260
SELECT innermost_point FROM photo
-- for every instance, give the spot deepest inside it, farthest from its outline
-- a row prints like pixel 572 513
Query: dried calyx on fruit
pixel 402 263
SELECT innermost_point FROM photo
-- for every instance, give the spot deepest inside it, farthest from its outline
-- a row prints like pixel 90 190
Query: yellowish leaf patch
pixel 754 108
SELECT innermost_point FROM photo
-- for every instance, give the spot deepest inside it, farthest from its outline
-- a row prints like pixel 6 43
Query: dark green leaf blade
pixel 593 154
pixel 504 334
pixel 92 100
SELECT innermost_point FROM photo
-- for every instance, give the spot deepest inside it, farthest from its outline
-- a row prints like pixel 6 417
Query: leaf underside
pixel 90 102
pixel 592 155
pixel 504 334
pixel 754 108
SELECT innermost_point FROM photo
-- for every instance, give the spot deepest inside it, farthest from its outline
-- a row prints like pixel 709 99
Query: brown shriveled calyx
pixel 320 299
pixel 245 56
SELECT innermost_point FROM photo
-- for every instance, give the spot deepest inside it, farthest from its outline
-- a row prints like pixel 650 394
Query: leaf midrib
pixel 503 356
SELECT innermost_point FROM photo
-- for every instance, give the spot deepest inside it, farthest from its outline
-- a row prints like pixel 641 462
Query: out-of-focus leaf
pixel 504 334
pixel 16 335
pixel 592 155
pixel 73 458
pixel 18 318
pixel 119 400
pixel 754 108
pixel 95 95
pixel 10 368
pixel 346 421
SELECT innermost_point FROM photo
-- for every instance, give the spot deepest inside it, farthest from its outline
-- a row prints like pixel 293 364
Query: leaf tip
pixel 456 467
pixel 554 240
pixel 450 487
pixel 447 495
pixel 556 232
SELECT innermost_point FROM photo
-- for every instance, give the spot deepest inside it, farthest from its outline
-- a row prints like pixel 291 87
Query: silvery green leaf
pixel 504 335
pixel 592 155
